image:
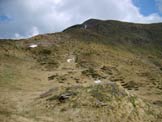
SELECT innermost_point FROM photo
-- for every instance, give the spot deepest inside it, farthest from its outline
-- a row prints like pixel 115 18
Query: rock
pixel 65 96
pixel 52 77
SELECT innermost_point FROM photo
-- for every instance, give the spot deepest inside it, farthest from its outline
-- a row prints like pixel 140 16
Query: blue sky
pixel 147 7
pixel 3 18
pixel 26 18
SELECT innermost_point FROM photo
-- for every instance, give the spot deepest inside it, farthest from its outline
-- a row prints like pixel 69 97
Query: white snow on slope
pixel 97 81
pixel 33 46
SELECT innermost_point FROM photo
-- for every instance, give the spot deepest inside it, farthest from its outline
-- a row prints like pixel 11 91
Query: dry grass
pixel 27 74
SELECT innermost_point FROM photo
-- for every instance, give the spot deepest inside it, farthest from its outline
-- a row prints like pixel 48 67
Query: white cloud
pixel 18 36
pixel 34 31
pixel 31 17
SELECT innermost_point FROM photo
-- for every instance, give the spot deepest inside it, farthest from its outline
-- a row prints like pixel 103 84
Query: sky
pixel 26 18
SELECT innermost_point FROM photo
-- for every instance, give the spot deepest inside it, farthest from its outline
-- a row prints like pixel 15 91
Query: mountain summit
pixel 121 31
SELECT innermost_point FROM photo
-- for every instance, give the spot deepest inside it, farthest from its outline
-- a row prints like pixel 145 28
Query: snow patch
pixel 85 26
pixel 70 60
pixel 97 81
pixel 33 46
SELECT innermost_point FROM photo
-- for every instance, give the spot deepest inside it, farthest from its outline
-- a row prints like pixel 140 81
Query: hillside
pixel 121 33
pixel 96 71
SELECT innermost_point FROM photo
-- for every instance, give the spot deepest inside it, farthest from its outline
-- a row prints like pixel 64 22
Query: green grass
pixel 133 100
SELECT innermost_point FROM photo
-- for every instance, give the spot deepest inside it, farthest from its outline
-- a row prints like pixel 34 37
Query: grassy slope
pixel 123 53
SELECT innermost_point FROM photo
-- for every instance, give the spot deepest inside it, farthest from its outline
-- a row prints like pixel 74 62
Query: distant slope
pixel 148 36
pixel 121 30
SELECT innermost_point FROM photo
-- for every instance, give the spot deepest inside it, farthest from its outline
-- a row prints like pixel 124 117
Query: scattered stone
pixel 161 68
pixel 65 96
pixel 77 81
pixel 158 102
pixel 52 77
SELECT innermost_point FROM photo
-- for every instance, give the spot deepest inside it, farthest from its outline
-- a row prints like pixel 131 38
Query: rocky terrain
pixel 98 71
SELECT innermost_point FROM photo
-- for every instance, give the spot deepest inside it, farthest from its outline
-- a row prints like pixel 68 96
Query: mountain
pixel 128 34
pixel 95 71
